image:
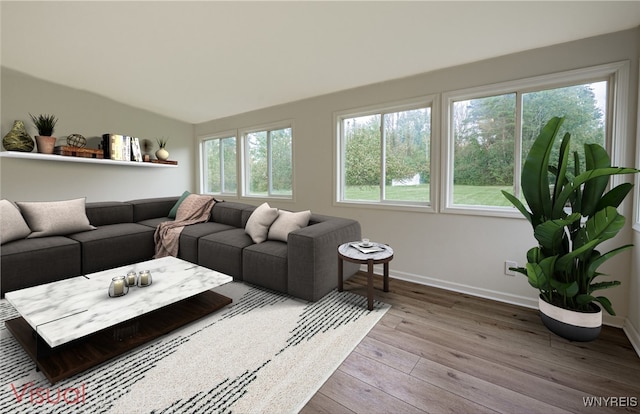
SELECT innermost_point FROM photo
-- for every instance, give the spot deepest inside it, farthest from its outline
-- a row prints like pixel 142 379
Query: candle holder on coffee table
pixel 118 287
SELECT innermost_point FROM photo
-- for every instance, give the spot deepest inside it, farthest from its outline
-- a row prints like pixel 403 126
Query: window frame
pixel 202 163
pixel 244 160
pixel 616 73
pixel 427 101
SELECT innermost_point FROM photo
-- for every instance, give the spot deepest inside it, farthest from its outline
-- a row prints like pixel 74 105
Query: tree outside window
pixel 387 157
pixel 487 141
pixel 219 162
pixel 269 165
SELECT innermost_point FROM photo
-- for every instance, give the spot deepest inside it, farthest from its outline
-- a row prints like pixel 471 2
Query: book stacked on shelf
pixel 121 147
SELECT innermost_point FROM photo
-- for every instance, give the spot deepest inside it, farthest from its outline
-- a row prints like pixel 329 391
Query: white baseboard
pixel 615 321
pixel 527 302
pixel 633 335
pixel 470 290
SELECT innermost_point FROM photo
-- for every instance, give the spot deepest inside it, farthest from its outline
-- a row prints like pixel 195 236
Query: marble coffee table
pixel 71 325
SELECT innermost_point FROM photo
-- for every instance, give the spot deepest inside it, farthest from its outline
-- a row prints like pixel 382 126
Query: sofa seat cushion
pixel 153 223
pixel 222 251
pixel 191 234
pixel 265 264
pixel 32 262
pixel 115 245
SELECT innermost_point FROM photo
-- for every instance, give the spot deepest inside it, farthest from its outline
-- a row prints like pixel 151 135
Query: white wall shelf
pixel 65 158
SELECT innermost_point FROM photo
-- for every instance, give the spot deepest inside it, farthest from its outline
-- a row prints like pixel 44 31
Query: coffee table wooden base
pixel 67 360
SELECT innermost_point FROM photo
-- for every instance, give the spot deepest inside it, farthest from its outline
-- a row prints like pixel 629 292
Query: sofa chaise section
pixel 265 264
pixel 223 250
pixel 312 253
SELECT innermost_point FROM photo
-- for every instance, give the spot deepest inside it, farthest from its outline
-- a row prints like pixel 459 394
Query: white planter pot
pixel 571 325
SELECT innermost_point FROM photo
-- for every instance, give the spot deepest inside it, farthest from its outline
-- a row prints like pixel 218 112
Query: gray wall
pixel 457 252
pixel 90 115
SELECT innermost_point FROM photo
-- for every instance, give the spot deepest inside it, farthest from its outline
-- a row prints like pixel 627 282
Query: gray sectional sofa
pixel 305 266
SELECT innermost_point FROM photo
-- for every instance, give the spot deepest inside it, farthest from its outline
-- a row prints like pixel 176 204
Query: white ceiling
pixel 198 61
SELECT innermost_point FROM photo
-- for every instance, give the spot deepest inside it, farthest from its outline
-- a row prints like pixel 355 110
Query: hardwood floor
pixel 437 351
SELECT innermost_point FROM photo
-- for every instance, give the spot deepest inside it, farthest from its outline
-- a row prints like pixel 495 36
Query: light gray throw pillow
pixel 259 222
pixel 287 222
pixel 55 218
pixel 12 224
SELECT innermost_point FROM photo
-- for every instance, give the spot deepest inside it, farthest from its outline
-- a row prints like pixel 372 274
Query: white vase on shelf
pixel 162 154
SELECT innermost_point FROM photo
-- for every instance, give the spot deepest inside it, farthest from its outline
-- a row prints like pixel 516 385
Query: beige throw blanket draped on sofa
pixel 194 209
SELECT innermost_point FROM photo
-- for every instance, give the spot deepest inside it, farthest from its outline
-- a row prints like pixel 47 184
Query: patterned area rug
pixel 265 353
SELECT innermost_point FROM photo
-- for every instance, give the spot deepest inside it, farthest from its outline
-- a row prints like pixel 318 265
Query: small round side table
pixel 351 253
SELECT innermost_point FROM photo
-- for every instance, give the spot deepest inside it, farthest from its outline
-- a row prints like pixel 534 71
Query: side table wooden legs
pixel 370 284
pixel 369 280
pixel 340 273
pixel 386 277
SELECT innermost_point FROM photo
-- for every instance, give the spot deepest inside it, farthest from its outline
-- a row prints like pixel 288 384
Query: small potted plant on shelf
pixel 162 153
pixel 571 213
pixel 45 125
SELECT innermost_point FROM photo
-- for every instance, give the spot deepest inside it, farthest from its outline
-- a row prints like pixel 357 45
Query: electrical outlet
pixel 507 265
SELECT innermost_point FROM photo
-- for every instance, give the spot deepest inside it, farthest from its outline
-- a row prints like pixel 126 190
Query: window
pixel 268 162
pixel 219 172
pixel 492 129
pixel 384 154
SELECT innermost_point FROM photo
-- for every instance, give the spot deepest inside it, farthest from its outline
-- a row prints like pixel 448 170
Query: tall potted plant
pixel 571 213
pixel 45 139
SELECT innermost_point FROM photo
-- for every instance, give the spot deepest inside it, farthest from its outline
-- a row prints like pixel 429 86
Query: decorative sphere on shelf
pixel 76 140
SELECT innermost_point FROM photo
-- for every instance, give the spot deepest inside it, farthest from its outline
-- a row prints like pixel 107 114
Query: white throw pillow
pixel 55 218
pixel 288 222
pixel 259 222
pixel 12 224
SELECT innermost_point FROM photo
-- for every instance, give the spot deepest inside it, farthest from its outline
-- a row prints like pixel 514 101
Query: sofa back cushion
pixel 227 212
pixel 109 212
pixel 151 208
pixel 246 213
